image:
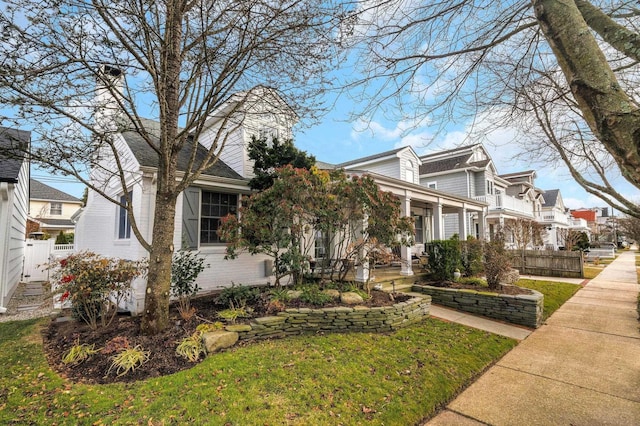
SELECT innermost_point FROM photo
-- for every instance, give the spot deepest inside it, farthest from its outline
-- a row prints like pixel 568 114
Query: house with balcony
pixel 469 171
pixel 554 217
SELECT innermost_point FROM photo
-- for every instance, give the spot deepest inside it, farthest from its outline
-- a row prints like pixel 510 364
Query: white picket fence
pixel 38 254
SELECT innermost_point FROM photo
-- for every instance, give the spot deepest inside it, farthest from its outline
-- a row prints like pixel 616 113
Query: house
pixel 14 190
pixel 105 228
pixel 555 218
pixel 397 171
pixel 602 225
pixel 51 210
pixel 468 171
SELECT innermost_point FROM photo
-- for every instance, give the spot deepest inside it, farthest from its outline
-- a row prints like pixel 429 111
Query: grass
pixel 590 272
pixel 358 378
pixel 555 293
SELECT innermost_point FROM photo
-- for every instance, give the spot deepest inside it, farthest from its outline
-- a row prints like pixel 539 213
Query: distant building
pixel 50 210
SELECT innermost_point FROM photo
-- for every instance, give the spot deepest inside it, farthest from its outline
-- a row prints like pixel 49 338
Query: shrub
pixel 279 295
pixel 238 296
pixel 313 295
pixel 128 360
pixel 79 353
pixel 444 258
pixel 496 261
pixel 471 256
pixel 185 268
pixel 191 347
pixel 95 285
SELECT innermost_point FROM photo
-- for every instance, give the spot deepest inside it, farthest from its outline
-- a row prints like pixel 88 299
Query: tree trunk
pixel 156 307
pixel 607 109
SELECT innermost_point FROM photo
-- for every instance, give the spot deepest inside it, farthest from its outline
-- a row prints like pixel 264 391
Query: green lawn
pixel 590 272
pixel 358 378
pixel 555 293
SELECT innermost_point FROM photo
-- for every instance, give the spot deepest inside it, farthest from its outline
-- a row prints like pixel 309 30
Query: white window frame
pixel 57 210
pixel 123 225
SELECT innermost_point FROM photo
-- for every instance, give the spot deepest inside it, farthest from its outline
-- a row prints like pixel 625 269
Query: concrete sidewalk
pixel 581 368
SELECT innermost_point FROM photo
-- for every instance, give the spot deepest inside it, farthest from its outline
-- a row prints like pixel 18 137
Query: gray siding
pixel 454 183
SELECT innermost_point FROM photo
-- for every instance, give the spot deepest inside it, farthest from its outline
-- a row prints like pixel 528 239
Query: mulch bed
pixel 61 335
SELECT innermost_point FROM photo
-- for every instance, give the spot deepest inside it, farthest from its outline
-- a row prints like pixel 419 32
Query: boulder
pixel 219 339
pixel 351 298
pixel 332 292
pixel 511 277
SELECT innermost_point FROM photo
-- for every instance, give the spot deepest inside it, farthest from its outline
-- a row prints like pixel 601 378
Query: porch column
pixel 438 222
pixel 362 268
pixel 462 223
pixel 405 251
pixel 482 225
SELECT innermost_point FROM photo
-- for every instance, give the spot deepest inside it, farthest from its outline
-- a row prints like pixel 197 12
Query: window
pixel 55 209
pixel 432 185
pixel 409 172
pixel 489 187
pixel 319 251
pixel 419 229
pixel 124 224
pixel 213 207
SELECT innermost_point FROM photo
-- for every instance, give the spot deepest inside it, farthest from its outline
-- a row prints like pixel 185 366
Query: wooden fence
pixel 548 263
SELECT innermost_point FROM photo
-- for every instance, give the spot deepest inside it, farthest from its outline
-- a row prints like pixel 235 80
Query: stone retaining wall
pixel 521 309
pixel 340 319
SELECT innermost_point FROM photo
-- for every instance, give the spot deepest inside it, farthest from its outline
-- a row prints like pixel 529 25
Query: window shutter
pixel 190 215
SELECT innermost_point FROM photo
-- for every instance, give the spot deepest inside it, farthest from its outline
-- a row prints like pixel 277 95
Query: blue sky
pixel 337 139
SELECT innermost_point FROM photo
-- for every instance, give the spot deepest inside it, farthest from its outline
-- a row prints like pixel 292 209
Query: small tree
pixel 352 213
pixel 269 155
pixel 496 260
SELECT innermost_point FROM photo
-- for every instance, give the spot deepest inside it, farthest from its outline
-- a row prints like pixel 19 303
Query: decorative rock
pixel 238 327
pixel 332 292
pixel 217 340
pixel 351 298
pixel 511 277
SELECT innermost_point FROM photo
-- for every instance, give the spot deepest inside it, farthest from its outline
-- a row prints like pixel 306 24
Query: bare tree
pixel 630 228
pixel 526 233
pixel 175 61
pixel 522 61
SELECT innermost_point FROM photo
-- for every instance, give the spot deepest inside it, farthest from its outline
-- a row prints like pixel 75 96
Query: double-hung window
pixel 213 207
pixel 55 209
pixel 124 223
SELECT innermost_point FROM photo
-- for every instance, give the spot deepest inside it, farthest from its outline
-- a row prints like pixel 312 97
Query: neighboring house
pixel 51 209
pixel 555 218
pixel 601 224
pixel 397 171
pixel 14 190
pixel 469 171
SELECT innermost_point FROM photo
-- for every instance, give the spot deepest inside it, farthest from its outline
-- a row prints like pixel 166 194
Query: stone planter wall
pixel 340 319
pixel 522 309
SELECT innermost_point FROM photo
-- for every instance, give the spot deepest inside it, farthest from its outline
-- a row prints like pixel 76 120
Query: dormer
pixel 260 112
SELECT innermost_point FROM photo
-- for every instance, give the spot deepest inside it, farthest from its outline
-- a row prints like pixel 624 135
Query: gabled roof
pixel 147 157
pixel 391 153
pixel 60 223
pixel 40 191
pixel 444 164
pixel 13 147
pixel 453 159
pixel 550 197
